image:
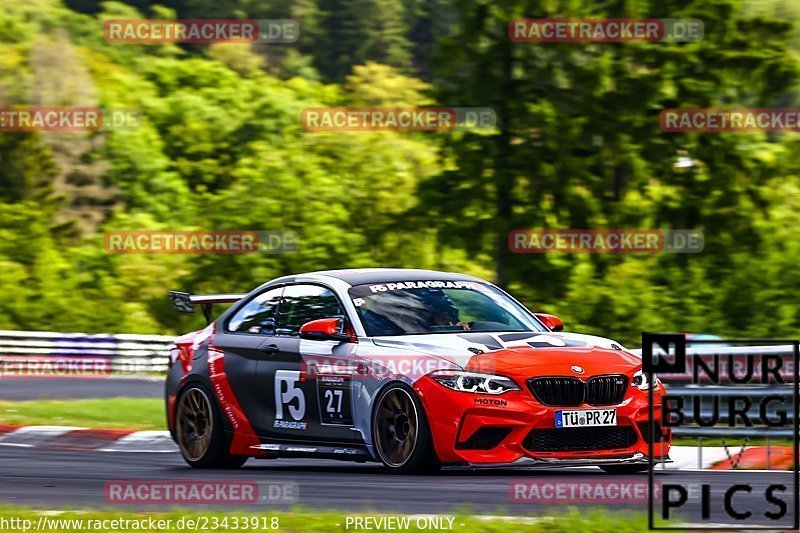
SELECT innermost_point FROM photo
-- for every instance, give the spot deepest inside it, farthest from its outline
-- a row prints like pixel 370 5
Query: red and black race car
pixel 411 368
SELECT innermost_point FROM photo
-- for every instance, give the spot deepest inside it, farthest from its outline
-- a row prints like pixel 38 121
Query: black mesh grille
pixel 485 438
pixel 566 392
pixel 580 439
pixel 644 429
pixel 606 390
pixel 572 392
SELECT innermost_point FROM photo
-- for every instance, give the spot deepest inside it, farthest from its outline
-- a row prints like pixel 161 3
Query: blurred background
pixel 577 145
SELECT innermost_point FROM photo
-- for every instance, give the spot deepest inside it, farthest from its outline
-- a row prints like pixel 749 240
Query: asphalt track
pixel 67 479
pixel 49 478
pixel 28 388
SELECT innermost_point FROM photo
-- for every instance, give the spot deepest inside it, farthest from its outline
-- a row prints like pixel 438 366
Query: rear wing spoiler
pixel 185 302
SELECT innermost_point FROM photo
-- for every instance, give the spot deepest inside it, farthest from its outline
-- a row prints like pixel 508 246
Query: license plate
pixel 586 418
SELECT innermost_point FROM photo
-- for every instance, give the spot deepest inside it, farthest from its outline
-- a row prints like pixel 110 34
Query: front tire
pixel 199 432
pixel 401 433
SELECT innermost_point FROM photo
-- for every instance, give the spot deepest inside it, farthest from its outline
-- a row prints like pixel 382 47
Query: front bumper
pixel 456 417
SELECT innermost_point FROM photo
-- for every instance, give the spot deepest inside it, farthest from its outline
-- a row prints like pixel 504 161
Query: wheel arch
pixel 416 398
pixel 199 379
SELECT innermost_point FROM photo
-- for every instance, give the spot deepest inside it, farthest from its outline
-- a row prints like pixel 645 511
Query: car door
pixel 247 338
pixel 304 404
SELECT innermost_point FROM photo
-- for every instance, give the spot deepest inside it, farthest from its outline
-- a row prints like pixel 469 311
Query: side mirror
pixel 325 329
pixel 552 322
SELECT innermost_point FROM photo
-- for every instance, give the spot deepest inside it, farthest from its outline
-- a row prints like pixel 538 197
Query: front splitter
pixel 637 458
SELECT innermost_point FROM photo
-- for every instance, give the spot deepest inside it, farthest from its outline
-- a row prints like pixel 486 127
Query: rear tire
pixel 199 432
pixel 624 469
pixel 401 432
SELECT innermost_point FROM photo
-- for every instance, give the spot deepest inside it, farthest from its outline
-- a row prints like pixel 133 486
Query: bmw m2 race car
pixel 410 368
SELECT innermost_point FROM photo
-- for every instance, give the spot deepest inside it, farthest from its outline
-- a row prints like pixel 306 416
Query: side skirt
pixel 341 453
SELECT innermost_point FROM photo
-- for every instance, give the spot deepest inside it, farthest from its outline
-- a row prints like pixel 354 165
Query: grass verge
pixel 301 520
pixel 117 413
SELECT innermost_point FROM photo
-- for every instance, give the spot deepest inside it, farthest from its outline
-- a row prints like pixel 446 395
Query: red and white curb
pixel 732 458
pixel 72 438
pixel 691 458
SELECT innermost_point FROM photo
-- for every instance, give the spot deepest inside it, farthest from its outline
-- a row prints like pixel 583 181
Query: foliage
pixel 577 146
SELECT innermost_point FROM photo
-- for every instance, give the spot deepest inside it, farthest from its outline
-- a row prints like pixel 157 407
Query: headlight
pixel 642 381
pixel 474 382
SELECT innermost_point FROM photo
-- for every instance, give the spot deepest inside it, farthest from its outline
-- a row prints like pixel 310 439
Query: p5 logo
pixel 288 394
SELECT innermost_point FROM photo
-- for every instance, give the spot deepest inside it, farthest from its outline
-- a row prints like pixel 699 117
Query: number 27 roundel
pixel 334 399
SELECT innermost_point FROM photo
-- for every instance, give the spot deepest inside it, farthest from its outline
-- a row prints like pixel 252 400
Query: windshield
pixel 427 307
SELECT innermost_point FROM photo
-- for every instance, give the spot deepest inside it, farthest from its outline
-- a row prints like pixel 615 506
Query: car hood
pixel 525 353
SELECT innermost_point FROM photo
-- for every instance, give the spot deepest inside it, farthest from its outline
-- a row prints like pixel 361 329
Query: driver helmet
pixel 440 304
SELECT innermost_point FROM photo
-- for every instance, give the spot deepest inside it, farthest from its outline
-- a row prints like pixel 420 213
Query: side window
pixel 258 315
pixel 304 303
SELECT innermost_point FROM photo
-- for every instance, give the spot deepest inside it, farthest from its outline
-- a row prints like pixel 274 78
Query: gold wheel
pixel 195 424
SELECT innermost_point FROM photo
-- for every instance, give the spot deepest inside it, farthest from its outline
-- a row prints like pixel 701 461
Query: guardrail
pixel 150 353
pixel 47 353
pixel 736 365
pixel 703 394
pixel 738 356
